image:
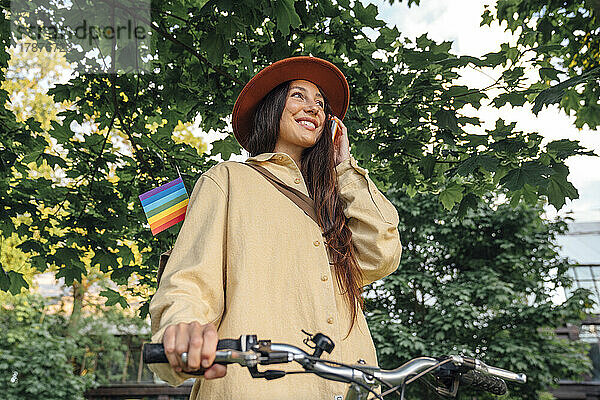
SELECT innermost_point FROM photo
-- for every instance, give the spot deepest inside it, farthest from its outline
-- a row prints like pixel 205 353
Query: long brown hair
pixel 318 169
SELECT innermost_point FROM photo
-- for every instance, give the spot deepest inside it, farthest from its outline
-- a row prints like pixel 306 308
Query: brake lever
pixel 447 378
pixel 270 356
pixel 444 391
pixel 243 358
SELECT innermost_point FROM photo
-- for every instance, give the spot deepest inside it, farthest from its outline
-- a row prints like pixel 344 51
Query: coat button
pixel 330 320
pixel 316 243
pixel 324 278
pixel 297 180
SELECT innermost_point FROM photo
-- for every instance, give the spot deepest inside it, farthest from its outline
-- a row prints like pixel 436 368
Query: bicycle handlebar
pixel 249 352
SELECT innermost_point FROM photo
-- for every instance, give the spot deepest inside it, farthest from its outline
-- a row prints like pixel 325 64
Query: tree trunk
pixel 78 294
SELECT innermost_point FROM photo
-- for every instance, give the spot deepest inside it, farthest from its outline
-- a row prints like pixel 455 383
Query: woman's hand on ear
pixel 341 144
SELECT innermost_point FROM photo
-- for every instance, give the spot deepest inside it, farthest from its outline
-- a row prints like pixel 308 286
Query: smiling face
pixel 303 117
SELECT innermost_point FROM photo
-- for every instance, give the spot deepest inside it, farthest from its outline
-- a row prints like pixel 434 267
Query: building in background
pixel 581 245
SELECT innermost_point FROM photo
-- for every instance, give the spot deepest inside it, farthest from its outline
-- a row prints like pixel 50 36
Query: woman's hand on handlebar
pixel 199 342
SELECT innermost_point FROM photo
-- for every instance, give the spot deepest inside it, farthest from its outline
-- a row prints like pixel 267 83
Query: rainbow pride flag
pixel 166 205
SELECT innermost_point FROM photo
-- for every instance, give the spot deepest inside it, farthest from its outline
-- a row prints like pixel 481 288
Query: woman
pixel 249 261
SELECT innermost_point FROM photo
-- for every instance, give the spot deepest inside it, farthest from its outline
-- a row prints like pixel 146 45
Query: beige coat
pixel 252 262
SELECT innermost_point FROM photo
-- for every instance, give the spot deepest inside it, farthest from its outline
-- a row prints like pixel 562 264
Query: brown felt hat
pixel 322 73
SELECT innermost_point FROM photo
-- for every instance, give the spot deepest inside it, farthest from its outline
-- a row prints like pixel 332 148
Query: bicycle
pixel 449 372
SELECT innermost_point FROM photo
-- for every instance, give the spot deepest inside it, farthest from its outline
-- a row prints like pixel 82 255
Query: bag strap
pixel 162 262
pixel 300 199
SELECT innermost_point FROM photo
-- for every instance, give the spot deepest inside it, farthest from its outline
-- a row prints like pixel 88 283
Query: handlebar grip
pixel 485 382
pixel 154 353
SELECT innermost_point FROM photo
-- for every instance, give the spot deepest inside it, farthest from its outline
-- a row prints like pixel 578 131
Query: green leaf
pixel 563 148
pixel 502 130
pixel 70 266
pixel 60 92
pixel 528 193
pixel 244 53
pixel 514 98
pixel 476 140
pixel 549 74
pixel 513 76
pixel 286 16
pixel 531 172
pixel 495 59
pixel 70 273
pixel 113 298
pixel 386 37
pixel 423 41
pixel 17 282
pixel 555 93
pixel 69 257
pixel 126 254
pixel 104 260
pixel 446 136
pixel 31 245
pixel 226 147
pixel 4 280
pixel 488 163
pixel 215 46
pixel 547 48
pixel 402 174
pixel 39 263
pixel 468 166
pixel 367 15
pixel 427 165
pixel 120 275
pixel 560 188
pixel 447 119
pixel 451 195
pixel 468 202
pixel 486 18
pixel 61 132
pixel 144 310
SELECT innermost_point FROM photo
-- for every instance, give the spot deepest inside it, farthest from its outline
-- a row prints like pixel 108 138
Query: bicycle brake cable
pixel 431 387
pixel 392 390
pixel 366 387
pixel 353 367
pixel 428 370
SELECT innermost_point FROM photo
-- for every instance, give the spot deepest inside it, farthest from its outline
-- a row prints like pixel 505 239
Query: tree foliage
pixel 481 286
pixel 564 38
pixel 40 359
pixel 27 370
pixel 408 124
pixel 561 40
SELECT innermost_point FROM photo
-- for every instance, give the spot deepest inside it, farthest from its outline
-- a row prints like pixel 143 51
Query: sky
pixel 458 21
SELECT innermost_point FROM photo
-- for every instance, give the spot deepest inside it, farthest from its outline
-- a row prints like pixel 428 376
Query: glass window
pixel 586 277
pixel 583 273
pixel 591 335
pixel 589 285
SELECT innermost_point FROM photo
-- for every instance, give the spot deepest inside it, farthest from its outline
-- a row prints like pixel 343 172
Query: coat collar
pixel 282 166
pixel 277 158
